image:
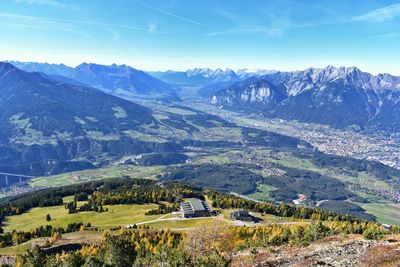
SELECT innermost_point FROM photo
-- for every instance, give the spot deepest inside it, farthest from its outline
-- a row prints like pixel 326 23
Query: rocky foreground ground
pixel 334 251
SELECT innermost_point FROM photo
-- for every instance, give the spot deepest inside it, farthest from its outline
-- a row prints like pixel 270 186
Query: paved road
pixel 320 202
pixel 17 175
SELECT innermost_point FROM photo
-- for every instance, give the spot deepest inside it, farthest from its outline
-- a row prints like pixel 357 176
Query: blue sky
pixel 181 34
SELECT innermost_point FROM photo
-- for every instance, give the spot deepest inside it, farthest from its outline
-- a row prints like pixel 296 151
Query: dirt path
pixel 161 219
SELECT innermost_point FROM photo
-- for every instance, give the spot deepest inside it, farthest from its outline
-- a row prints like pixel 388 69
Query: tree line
pixel 206 245
pixel 228 201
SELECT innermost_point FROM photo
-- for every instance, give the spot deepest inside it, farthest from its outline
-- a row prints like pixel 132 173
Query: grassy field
pixel 145 172
pixel 373 198
pixel 287 160
pixel 385 213
pixel 232 134
pixel 212 159
pixel 262 192
pixel 145 137
pixel 365 180
pixel 118 215
pixel 179 111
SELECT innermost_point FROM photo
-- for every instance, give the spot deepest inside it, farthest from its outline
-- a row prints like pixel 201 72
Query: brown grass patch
pixel 384 255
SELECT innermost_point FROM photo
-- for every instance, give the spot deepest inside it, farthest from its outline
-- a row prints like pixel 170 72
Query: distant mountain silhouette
pixel 120 80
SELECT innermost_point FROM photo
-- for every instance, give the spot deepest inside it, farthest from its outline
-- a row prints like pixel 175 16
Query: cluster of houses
pixel 195 207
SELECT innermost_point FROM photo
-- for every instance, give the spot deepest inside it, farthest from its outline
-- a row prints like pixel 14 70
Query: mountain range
pixel 120 80
pixel 53 124
pixel 205 76
pixel 343 97
pixel 340 97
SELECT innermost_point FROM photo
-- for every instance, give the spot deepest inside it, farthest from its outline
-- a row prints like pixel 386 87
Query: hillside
pixel 345 185
pixel 135 221
pixel 119 79
pixel 51 127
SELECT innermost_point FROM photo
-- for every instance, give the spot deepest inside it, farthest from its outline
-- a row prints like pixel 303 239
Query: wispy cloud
pixel 381 14
pixel 281 21
pixel 167 13
pixel 20 21
pixel 250 29
pixel 275 29
pixel 243 24
pixel 386 35
pixel 53 3
pixel 68 22
pixel 114 34
pixel 152 28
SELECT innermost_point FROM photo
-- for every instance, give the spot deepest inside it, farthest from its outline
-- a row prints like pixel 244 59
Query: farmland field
pixel 118 215
pixel 385 213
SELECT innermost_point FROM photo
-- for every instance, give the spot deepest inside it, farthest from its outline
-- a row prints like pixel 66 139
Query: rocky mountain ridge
pixel 340 97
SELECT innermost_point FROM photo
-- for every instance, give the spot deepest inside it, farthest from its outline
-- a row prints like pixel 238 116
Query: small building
pixel 302 198
pixel 243 215
pixel 196 208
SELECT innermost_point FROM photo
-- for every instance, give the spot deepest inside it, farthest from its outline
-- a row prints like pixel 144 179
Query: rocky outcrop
pixel 333 251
